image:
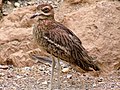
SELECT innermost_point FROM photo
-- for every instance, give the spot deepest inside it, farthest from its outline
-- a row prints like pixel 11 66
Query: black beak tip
pixel 33 16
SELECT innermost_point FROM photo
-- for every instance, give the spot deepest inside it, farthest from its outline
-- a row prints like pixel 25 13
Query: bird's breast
pixel 37 35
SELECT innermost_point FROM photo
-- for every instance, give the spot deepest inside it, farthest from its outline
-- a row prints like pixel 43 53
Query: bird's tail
pixel 88 65
pixel 84 61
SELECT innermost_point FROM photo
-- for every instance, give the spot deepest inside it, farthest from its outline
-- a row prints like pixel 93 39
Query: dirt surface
pixel 96 23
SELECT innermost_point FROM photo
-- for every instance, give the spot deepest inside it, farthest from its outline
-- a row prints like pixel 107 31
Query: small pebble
pixel 3 67
pixel 56 89
pixel 16 4
pixel 65 70
pixel 30 3
pixel 13 88
pixel 65 81
pixel 94 85
pixel 100 79
pixel 41 68
pixel 27 68
pixel 2 74
pixel 18 76
pixel 44 83
pixel 69 76
pixel 10 76
pixel 9 3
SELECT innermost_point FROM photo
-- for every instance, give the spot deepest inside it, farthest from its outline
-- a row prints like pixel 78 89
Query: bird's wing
pixel 66 40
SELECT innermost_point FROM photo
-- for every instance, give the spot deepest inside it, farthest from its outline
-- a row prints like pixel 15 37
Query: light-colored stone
pixel 2 74
pixel 45 83
pixel 69 76
pixel 65 70
pixel 4 67
pixel 17 4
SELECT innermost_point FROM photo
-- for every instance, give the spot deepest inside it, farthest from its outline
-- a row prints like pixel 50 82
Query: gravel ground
pixel 37 77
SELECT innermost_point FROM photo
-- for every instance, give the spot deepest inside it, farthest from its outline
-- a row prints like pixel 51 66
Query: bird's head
pixel 44 11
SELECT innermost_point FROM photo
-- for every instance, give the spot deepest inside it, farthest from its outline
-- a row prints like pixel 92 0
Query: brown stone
pixel 16 37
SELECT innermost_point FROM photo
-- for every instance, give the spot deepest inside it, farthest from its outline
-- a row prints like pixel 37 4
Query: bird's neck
pixel 45 22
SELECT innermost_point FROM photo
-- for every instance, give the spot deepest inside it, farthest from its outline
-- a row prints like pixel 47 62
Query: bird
pixel 60 42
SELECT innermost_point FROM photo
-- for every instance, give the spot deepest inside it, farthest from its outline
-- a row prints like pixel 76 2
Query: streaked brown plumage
pixel 58 40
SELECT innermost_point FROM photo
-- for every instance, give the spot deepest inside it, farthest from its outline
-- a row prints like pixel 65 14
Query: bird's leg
pixel 59 69
pixel 52 74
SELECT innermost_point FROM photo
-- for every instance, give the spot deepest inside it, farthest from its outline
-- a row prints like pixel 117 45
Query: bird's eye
pixel 46 10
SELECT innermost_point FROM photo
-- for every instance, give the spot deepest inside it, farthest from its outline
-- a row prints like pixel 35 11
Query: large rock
pixel 16 37
pixel 98 27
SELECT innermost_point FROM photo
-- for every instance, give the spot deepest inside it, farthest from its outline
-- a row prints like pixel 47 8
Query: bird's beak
pixel 34 15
